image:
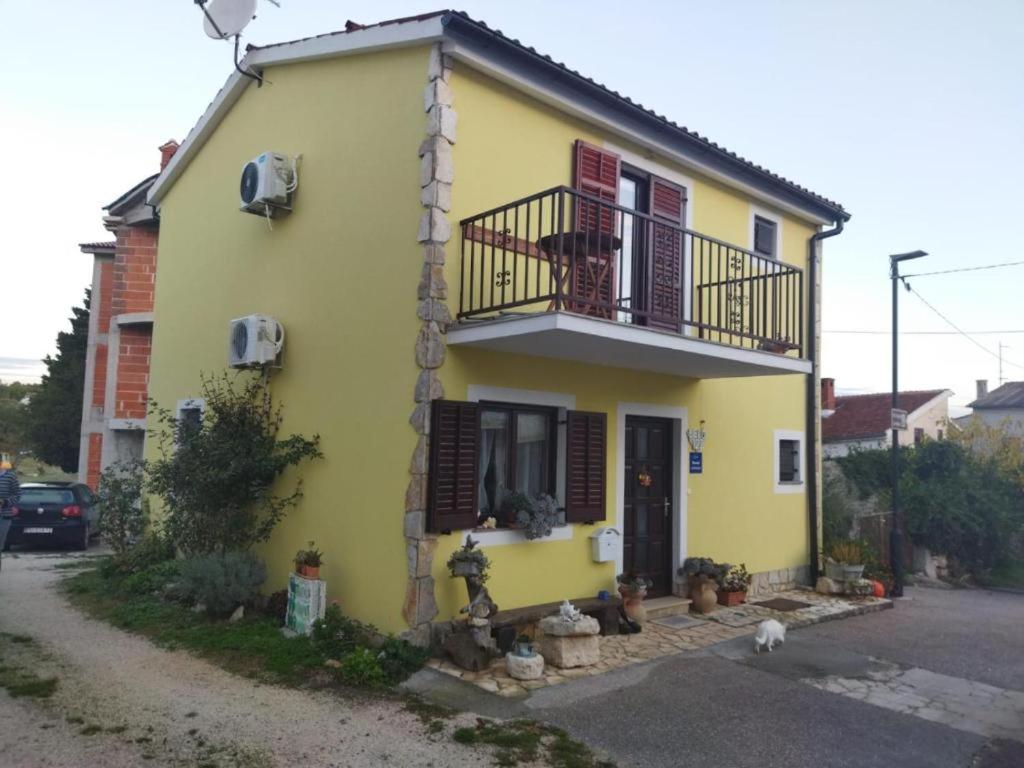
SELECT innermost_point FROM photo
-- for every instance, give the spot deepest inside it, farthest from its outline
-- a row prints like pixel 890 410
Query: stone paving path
pixel 658 640
pixel 962 704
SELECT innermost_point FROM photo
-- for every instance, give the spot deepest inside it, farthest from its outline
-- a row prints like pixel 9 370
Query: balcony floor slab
pixel 568 336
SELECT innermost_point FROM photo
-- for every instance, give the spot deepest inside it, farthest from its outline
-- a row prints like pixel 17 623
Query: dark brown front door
pixel 647 538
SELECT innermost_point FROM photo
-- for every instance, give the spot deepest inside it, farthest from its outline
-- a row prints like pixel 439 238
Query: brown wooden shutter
pixel 595 172
pixel 454 458
pixel 764 237
pixel 668 203
pixel 586 452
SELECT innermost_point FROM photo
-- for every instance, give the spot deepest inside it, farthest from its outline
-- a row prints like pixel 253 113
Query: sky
pixel 909 113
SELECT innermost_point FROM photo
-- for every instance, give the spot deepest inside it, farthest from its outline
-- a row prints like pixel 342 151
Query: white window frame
pixel 563 402
pixel 789 486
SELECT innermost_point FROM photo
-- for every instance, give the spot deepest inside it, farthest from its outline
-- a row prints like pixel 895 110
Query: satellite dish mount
pixel 225 19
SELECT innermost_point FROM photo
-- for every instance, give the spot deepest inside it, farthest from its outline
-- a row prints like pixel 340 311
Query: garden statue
pixel 471 644
pixel 568 611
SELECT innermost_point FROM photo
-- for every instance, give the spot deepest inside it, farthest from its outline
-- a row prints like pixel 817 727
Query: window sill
pixel 789 486
pixel 498 537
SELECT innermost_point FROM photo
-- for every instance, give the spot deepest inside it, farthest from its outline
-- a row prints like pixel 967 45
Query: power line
pixel 924 333
pixel 959 330
pixel 967 269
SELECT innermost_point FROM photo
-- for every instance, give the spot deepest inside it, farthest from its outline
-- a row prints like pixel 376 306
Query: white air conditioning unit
pixel 255 340
pixel 267 185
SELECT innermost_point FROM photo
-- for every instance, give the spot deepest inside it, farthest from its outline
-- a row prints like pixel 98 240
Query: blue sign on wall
pixel 696 462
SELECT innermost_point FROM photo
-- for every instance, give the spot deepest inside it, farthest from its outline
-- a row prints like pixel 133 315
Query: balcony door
pixel 652 281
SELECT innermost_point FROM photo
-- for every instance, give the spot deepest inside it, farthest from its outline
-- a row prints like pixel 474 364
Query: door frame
pixel 678 416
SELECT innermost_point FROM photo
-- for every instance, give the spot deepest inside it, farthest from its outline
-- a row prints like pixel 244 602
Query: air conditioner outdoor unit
pixel 267 185
pixel 255 340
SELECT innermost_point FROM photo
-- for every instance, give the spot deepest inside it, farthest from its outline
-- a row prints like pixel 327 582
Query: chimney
pixel 167 151
pixel 828 394
pixel 982 385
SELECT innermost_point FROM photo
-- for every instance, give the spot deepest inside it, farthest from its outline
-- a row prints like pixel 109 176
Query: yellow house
pixel 498 276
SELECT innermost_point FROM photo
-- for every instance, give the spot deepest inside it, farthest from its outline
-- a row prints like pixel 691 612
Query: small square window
pixel 918 435
pixel 789 461
pixel 764 237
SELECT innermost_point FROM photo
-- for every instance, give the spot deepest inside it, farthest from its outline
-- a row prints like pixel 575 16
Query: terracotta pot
pixel 633 604
pixel 310 571
pixel 732 598
pixel 878 589
pixel 703 595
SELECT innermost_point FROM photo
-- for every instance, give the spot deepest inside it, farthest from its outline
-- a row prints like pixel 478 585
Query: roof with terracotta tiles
pixel 863 416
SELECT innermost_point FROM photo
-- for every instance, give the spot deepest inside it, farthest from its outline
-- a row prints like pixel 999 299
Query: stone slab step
pixel 670 605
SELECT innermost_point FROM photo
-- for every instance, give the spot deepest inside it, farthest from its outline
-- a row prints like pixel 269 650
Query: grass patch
pixel 524 741
pixel 91 730
pixel 1008 575
pixel 14 677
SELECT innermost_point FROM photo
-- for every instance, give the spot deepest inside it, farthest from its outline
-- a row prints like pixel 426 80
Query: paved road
pixel 937 682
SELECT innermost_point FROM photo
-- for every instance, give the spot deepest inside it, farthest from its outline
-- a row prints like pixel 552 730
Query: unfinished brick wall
pixel 92 475
pixel 99 376
pixel 104 300
pixel 134 270
pixel 133 372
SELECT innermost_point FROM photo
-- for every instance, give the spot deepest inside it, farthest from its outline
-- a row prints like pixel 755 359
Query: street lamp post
pixel 896 532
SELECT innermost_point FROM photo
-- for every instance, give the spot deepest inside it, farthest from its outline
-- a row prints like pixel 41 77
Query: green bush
pixel 152 579
pixel 153 548
pixel 120 499
pixel 362 668
pixel 336 635
pixel 221 581
pixel 215 481
pixel 399 659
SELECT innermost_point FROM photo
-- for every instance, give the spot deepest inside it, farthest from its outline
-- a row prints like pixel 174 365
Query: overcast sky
pixel 911 114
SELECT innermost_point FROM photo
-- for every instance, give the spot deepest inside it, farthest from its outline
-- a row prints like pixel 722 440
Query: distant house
pixel 1002 406
pixel 862 422
pixel 120 331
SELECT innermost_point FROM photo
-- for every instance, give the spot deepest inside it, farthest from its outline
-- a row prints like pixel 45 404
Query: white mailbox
pixel 604 543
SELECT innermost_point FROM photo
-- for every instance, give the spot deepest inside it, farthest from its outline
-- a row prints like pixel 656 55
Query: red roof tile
pixel 860 416
pixel 90 247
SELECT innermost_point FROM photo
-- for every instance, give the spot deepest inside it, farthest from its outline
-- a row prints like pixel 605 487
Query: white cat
pixel 769 633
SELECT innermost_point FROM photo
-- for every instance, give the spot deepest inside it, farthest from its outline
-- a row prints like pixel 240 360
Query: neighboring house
pixel 120 331
pixel 1002 407
pixel 545 302
pixel 863 422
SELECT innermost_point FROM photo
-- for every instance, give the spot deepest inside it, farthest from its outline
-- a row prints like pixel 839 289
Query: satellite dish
pixel 227 18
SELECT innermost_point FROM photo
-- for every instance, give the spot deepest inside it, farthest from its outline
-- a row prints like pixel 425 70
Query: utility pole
pixel 896 532
pixel 1001 348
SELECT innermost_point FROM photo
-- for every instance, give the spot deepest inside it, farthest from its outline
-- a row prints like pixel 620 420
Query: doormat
pixel 677 622
pixel 783 604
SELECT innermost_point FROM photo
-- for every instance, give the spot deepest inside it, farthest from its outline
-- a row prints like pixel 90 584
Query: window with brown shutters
pixel 789 461
pixel 665 294
pixel 452 478
pixel 586 452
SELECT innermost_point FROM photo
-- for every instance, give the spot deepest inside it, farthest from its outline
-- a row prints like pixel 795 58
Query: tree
pixel 55 411
pixel 14 416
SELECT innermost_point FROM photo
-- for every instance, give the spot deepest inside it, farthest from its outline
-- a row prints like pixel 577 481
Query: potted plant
pixel 633 589
pixel 849 556
pixel 524 647
pixel 704 576
pixel 537 517
pixel 467 560
pixel 733 589
pixel 308 562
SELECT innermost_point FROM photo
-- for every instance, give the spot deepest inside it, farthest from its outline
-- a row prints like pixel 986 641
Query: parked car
pixel 55 513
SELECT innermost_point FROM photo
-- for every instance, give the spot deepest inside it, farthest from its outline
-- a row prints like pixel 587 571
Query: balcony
pixel 567 275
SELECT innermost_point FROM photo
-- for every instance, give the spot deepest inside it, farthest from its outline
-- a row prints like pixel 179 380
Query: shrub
pixel 399 659
pixel 276 606
pixel 120 499
pixel 847 552
pixel 215 480
pixel 837 509
pixel 336 635
pixel 153 548
pixel 221 581
pixel 361 668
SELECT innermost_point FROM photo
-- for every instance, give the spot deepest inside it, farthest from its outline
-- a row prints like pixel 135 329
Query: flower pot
pixel 703 595
pixel 852 572
pixel 633 603
pixel 834 571
pixel 309 571
pixel 466 568
pixel 732 598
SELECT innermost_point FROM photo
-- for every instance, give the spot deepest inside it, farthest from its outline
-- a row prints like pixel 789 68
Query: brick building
pixel 120 331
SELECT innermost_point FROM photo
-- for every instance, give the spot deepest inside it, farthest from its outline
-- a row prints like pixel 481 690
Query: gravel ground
pixel 161 708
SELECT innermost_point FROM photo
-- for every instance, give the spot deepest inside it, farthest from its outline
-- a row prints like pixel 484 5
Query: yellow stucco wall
pixel 340 273
pixel 733 513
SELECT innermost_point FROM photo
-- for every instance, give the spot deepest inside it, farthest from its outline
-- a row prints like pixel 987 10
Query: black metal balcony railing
pixel 563 249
